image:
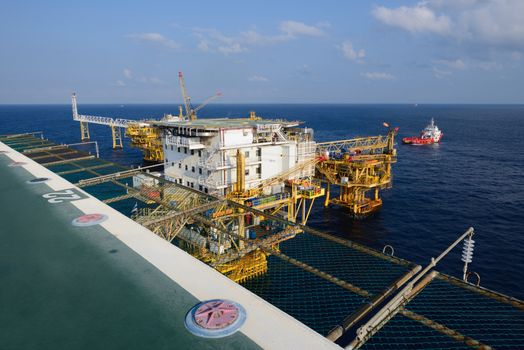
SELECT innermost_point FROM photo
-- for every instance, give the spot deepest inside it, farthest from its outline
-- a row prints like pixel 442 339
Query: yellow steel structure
pixel 250 265
pixel 84 131
pixel 220 231
pixel 357 167
pixel 116 133
pixel 148 139
pixel 301 196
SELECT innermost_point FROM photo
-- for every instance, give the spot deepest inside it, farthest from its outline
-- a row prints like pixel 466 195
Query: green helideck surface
pixel 68 287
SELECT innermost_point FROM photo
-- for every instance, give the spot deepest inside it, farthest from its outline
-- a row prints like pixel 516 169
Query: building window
pixel 179 165
pixel 200 171
pixel 172 163
pixel 178 149
pixel 171 147
pixel 165 146
pixel 259 152
pixel 186 167
pixel 185 150
pixel 206 190
pixel 192 184
pixel 259 169
pixel 247 154
pixel 188 184
pixel 247 172
pixel 200 188
pixel 192 152
pixel 180 181
pixel 208 172
pixel 167 160
pixel 200 153
pixel 193 169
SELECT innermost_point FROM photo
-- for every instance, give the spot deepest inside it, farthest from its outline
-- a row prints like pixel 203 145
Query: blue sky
pixel 433 51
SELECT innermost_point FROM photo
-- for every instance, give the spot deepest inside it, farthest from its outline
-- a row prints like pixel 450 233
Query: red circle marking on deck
pixel 89 219
pixel 216 314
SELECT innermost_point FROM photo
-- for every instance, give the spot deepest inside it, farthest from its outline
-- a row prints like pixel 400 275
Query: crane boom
pixel 209 99
pixel 185 97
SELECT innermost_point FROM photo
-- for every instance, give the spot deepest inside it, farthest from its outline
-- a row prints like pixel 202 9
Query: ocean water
pixel 475 177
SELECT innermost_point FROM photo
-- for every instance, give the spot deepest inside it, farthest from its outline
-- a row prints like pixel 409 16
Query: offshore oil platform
pixel 236 194
pixel 274 167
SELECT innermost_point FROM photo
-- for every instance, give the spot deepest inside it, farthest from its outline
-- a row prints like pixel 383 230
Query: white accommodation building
pixel 201 154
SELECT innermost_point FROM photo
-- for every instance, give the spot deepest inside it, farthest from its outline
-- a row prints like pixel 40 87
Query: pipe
pixel 372 325
pixel 352 319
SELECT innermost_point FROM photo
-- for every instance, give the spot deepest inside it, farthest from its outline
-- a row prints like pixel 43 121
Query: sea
pixel 473 178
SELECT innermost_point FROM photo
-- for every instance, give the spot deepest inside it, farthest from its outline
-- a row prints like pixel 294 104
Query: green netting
pixel 23 147
pixel 34 155
pixel 109 170
pixel 406 334
pixel 366 271
pixel 483 318
pixel 16 141
pixel 71 155
pixel 62 152
pixel 84 163
pixel 75 177
pixel 314 301
pixel 107 190
pixel 48 159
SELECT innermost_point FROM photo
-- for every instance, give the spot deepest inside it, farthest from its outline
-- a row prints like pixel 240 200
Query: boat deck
pixel 317 278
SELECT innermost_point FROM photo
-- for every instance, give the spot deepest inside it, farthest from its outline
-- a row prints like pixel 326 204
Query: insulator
pixel 467 250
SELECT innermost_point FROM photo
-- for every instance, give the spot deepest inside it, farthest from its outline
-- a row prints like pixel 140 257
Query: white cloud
pixel 132 80
pixel 156 38
pixel 294 29
pixel 212 40
pixel 157 81
pixel 457 64
pixel 351 54
pixel 127 73
pixel 258 78
pixel 378 76
pixel 441 73
pixel 497 23
pixel 416 19
pixel 489 66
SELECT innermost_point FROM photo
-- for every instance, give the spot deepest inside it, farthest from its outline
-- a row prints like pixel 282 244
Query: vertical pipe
pixel 326 201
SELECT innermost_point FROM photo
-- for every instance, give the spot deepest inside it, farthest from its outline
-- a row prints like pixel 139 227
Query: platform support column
pixel 116 132
pixel 328 192
pixel 84 131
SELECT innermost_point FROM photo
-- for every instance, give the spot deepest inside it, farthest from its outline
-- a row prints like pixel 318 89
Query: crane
pixel 190 112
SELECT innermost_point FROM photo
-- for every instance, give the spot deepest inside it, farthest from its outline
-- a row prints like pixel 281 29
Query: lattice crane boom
pixel 185 97
pixel 209 99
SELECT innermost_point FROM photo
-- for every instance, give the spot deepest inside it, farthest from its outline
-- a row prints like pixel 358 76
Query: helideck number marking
pixel 59 197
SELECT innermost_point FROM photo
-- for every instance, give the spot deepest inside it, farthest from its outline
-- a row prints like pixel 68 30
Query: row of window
pixel 179 150
pixel 193 169
pixel 259 153
pixel 192 185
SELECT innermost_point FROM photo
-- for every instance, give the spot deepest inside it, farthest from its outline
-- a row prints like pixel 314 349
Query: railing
pixel 123 123
pixel 183 141
pixel 363 143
